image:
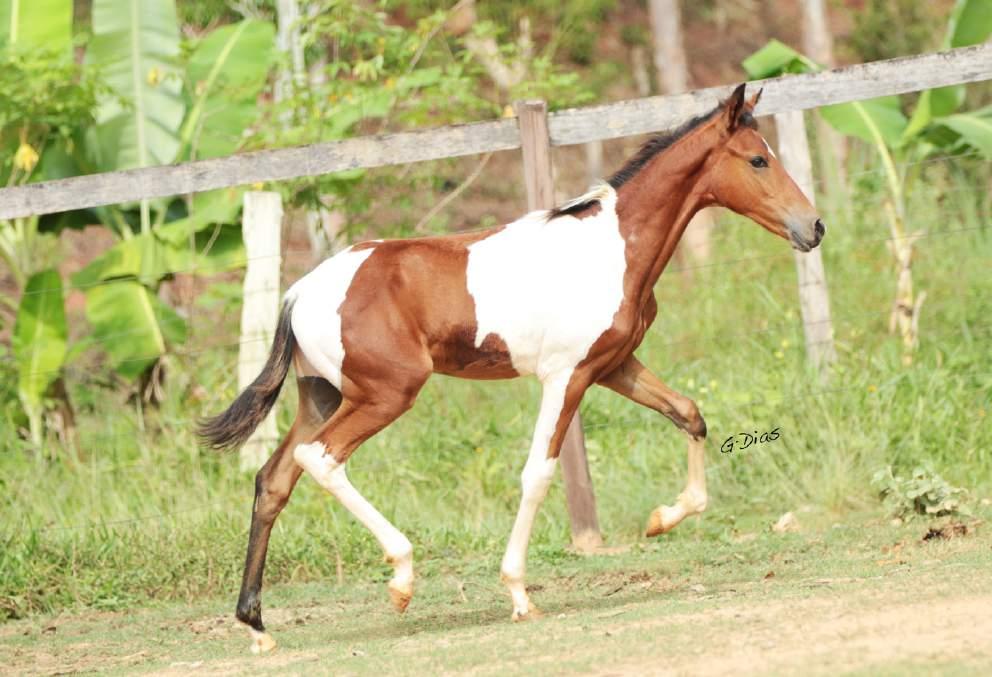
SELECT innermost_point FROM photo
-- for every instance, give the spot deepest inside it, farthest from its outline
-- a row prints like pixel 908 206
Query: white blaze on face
pixel 316 319
pixel 768 146
pixel 549 289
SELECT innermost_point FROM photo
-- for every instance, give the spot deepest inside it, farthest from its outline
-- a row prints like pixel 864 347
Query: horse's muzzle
pixel 803 244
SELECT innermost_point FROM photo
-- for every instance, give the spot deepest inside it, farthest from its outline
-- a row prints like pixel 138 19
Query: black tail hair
pixel 235 425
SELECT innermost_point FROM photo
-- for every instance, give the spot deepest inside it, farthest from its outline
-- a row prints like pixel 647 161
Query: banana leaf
pixel 226 73
pixel 136 46
pixel 132 325
pixel 39 343
pixel 37 24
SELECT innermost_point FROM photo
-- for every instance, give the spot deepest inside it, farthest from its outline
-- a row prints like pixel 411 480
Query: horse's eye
pixel 759 162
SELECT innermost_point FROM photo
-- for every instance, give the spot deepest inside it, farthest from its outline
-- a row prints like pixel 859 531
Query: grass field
pixel 863 599
pixel 142 521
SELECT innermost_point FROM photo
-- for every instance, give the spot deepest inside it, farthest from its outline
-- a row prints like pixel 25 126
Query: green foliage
pixel 884 29
pixel 970 23
pixel 448 472
pixel 136 49
pixel 132 325
pixel 129 322
pixel 923 492
pixel 869 120
pixel 776 58
pixel 225 74
pixel 47 98
pixel 43 24
pixel 39 343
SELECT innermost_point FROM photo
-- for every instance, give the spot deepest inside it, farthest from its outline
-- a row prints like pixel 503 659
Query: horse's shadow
pixel 497 614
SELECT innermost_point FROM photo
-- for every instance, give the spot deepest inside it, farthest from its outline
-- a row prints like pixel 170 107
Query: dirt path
pixel 804 606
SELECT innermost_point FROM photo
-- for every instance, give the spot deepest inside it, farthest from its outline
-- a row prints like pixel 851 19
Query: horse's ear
pixel 753 101
pixel 733 106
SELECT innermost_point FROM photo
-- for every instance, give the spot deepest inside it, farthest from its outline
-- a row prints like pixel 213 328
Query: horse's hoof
pixel 400 595
pixel 656 523
pixel 532 613
pixel 261 642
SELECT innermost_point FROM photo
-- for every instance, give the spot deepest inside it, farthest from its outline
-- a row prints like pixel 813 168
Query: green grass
pixel 822 601
pixel 143 514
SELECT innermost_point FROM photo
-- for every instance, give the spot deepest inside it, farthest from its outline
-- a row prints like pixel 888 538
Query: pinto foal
pixel 565 295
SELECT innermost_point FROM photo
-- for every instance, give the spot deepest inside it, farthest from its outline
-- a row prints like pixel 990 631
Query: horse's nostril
pixel 819 228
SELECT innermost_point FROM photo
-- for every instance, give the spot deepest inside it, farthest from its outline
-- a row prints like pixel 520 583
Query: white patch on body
pixel 549 289
pixel 316 320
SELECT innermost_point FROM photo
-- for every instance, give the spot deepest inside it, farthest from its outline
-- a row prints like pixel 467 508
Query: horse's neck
pixel 656 205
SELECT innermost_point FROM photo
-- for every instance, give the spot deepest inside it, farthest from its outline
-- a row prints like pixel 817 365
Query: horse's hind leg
pixel 273 484
pixel 358 419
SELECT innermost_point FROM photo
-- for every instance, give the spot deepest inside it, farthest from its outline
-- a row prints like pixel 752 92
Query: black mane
pixel 652 147
pixel 655 145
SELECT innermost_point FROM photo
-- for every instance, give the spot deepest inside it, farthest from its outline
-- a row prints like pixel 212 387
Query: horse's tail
pixel 231 428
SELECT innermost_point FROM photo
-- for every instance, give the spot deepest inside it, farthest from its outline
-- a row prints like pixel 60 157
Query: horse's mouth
pixel 802 245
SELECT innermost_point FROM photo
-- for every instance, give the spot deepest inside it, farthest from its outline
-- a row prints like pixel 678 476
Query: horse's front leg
pixel 634 381
pixel 559 400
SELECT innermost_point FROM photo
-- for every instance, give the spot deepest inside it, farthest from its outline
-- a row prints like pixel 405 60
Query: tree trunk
pixel 832 145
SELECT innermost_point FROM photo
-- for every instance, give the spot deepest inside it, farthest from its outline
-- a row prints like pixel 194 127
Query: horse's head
pixel 744 175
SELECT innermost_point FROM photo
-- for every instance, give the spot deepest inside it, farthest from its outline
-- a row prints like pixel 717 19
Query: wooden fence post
pixel 814 301
pixel 261 229
pixel 535 143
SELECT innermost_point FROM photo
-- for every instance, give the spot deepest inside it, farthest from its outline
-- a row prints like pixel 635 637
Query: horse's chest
pixel 548 289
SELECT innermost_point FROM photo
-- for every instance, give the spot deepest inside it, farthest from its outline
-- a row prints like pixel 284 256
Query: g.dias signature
pixel 742 441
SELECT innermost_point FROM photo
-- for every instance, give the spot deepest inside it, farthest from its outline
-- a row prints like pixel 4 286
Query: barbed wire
pixel 641 420
pixel 145 331
pixel 289 252
pixel 711 470
pixel 794 392
pixel 655 328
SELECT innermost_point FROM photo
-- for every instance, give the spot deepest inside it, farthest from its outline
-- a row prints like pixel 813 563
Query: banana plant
pixel 39 23
pixel 46 100
pixel 166 121
pixel 224 76
pixel 39 343
pixel 935 125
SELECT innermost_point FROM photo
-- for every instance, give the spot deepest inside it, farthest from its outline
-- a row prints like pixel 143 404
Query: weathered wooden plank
pixel 626 118
pixel 532 117
pixel 792 92
pixel 268 165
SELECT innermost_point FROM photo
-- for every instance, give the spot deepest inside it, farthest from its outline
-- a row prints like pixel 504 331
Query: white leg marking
pixel 535 480
pixel 691 501
pixel 331 475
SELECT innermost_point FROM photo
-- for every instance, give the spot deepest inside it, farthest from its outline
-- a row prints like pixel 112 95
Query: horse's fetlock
pixel 695 500
pixel 249 612
pixel 695 426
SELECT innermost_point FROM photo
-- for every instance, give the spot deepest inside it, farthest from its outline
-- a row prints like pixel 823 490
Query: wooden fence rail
pixel 574 126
